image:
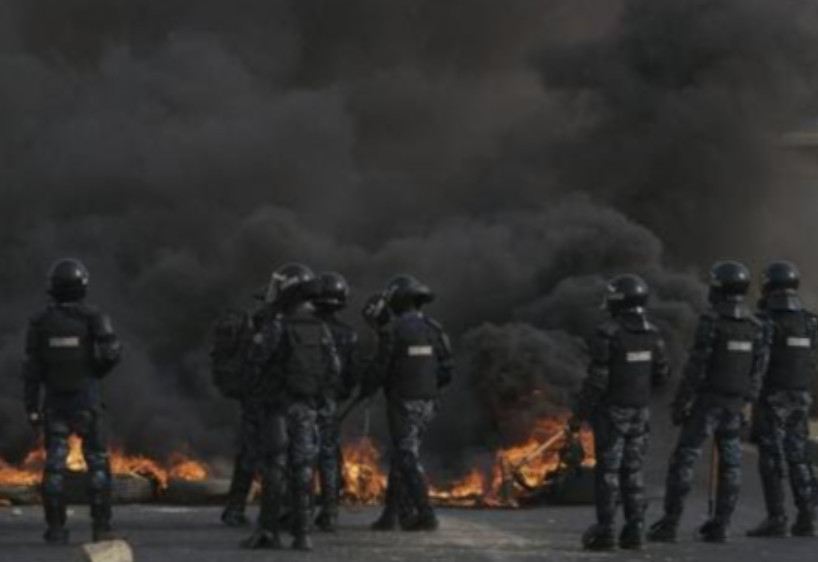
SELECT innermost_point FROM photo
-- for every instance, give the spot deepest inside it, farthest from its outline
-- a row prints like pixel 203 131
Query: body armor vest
pixel 733 357
pixel 631 368
pixel 792 360
pixel 306 360
pixel 66 349
pixel 414 373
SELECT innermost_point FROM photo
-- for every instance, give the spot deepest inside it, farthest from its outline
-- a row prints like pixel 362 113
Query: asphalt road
pixel 188 534
pixel 180 534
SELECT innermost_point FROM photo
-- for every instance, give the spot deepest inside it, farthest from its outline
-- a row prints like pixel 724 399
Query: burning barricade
pixel 551 466
pixel 136 478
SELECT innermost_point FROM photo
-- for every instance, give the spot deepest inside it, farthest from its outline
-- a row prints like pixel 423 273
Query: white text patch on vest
pixel 799 342
pixel 420 351
pixel 64 342
pixel 639 356
pixel 739 346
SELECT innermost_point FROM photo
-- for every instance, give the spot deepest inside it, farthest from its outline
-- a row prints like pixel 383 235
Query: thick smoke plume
pixel 512 155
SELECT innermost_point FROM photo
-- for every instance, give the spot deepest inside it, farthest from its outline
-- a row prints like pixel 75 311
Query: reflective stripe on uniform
pixel 744 346
pixel 64 342
pixel 799 342
pixel 639 356
pixel 420 351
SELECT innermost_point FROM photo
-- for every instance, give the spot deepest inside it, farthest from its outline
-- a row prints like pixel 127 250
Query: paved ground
pixel 174 534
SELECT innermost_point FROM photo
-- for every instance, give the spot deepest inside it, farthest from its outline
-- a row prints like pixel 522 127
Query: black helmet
pixel 333 291
pixel 376 311
pixel 291 283
pixel 626 293
pixel 780 276
pixel 405 291
pixel 729 279
pixel 68 280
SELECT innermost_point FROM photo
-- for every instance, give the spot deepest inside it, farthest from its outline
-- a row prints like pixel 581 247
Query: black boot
pixel 265 535
pixel 301 509
pixel 664 530
pixel 101 523
pixel 261 539
pixel 804 525
pixel 425 520
pixel 775 526
pixel 418 491
pixel 233 517
pixel 55 517
pixel 302 542
pixel 632 536
pixel 327 520
pixel 301 524
pixel 388 520
pixel 233 514
pixel 634 506
pixel 599 537
pixel 713 531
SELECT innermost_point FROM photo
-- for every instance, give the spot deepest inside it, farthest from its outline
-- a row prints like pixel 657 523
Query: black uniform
pixel 69 349
pixel 248 459
pixel 329 459
pixel 781 416
pixel 413 363
pixel 722 375
pixel 294 359
pixel 628 358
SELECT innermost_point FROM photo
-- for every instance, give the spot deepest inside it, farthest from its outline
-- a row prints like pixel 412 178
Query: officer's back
pixel 419 357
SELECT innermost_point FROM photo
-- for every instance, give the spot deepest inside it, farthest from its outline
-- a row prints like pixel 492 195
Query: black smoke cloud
pixel 512 155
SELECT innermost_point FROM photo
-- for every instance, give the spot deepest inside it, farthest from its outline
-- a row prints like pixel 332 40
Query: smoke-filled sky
pixel 510 154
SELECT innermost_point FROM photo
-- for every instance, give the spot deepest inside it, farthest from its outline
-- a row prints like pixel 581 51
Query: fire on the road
pixel 178 467
pixel 514 470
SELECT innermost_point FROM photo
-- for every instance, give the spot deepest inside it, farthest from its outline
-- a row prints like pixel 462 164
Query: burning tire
pixel 20 494
pixel 186 492
pixel 124 488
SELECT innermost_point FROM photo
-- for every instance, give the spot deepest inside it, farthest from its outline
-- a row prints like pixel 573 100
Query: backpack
pixel 231 336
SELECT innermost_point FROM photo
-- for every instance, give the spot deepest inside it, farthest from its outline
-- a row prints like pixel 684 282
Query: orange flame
pixel 364 480
pixel 516 468
pixel 179 467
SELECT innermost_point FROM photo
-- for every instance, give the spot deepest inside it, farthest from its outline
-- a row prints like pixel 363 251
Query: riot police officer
pixel 722 375
pixel 628 358
pixel 413 363
pixel 240 385
pixel 70 348
pixel 293 360
pixel 333 296
pixel 781 416
pixel 397 507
